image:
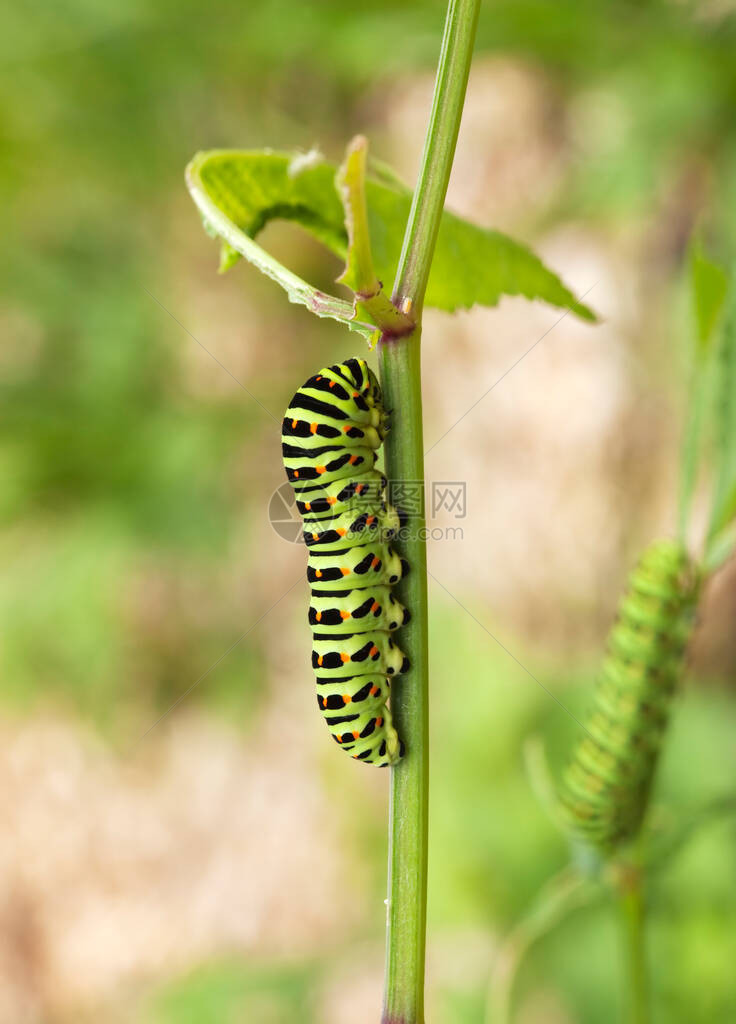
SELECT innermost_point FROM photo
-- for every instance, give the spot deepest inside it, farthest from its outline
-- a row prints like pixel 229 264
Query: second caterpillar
pixel 331 434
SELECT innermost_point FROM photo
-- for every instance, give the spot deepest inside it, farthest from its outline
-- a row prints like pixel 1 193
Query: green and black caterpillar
pixel 331 434
pixel 606 787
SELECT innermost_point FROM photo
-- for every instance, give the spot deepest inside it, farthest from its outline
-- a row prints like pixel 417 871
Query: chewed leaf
pixel 235 210
pixel 239 192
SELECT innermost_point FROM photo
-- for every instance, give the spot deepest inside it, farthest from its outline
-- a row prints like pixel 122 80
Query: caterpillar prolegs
pixel 331 434
pixel 606 787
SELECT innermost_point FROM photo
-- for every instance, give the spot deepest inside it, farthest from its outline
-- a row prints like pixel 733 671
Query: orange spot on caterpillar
pixel 353 459
pixel 307 506
pixel 341 531
pixel 346 698
pixel 375 562
pixel 359 488
pixel 319 661
pixel 331 500
pixel 296 474
pixel 315 536
pixel 344 615
pixel 375 606
pixel 319 616
pixel 370 520
pixel 332 383
pixel 320 469
pixel 313 428
pixel 373 651
pixel 345 572
pixel 339 739
pixel 318 573
pixel 356 735
pixel 379 723
pixel 355 394
pixel 344 657
pixel 293 424
pixel 346 430
pixel 374 691
pixel 318 378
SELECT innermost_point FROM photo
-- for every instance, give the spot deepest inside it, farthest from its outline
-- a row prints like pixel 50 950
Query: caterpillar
pixel 605 789
pixel 331 433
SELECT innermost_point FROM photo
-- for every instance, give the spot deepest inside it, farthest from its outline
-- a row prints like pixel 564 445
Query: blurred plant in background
pixel 137 473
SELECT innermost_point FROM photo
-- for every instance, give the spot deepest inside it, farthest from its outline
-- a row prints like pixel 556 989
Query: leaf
pixel 239 192
pixel 708 286
pixel 724 495
pixel 235 207
pixel 690 457
pixel 708 283
pixel 471 266
pixel 371 302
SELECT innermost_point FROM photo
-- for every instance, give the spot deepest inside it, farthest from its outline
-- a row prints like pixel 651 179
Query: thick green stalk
pixel 401 379
pixel 407 873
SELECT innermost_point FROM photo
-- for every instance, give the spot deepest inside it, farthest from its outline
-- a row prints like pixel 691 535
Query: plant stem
pixel 401 378
pixel 632 911
pixel 439 150
pixel 407 856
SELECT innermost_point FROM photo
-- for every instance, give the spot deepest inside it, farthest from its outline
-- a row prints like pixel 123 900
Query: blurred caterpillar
pixel 606 787
pixel 331 432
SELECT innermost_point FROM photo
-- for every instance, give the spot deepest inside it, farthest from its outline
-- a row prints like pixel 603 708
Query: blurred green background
pixel 228 865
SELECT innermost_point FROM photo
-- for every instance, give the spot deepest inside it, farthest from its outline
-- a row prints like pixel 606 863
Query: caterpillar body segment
pixel 362 566
pixel 360 526
pixel 356 611
pixel 606 787
pixel 317 431
pixel 365 493
pixel 331 433
pixel 328 462
pixel 357 654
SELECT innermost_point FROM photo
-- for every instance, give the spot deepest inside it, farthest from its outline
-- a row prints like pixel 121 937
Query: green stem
pixel 407 870
pixel 401 379
pixel 632 910
pixel 439 151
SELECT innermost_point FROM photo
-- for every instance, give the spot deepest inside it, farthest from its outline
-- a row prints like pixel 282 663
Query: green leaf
pixel 472 265
pixel 239 192
pixel 708 283
pixel 690 457
pixel 708 287
pixel 724 495
pixel 237 200
pixel 371 302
